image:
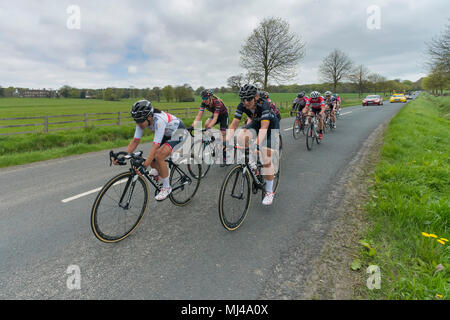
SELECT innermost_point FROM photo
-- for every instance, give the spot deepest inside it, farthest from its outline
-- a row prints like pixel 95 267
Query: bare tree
pixel 376 81
pixel 272 51
pixel 439 51
pixel 335 67
pixel 235 82
pixel 360 77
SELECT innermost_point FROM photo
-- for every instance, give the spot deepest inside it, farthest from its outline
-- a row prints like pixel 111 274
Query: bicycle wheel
pixel 296 128
pixel 310 136
pixel 111 219
pixel 234 198
pixel 184 186
pixel 198 150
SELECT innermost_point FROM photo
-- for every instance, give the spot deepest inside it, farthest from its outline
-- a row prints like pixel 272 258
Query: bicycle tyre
pixel 181 179
pixel 97 230
pixel 228 225
pixel 310 135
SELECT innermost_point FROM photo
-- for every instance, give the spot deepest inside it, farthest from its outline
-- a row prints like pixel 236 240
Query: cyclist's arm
pixel 136 140
pixel 262 131
pixel 133 145
pixel 213 122
pixel 232 127
pixel 198 117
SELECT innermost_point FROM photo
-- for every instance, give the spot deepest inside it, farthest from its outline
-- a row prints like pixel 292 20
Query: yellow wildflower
pixel 443 239
pixel 439 296
pixel 433 235
pixel 425 234
pixel 441 242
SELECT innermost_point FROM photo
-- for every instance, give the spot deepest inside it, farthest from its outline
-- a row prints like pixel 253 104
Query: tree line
pixel 438 64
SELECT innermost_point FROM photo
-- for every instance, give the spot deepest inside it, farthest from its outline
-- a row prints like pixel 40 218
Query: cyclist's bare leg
pixel 160 160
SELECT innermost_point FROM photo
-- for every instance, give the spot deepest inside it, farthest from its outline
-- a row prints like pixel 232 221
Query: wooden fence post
pixel 187 113
pixel 118 118
pixel 46 124
pixel 86 119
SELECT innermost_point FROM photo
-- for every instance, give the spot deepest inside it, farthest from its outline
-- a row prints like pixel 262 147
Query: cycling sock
pixel 269 186
pixel 166 182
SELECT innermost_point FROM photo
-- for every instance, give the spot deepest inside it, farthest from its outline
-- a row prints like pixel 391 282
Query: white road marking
pixel 89 192
pixel 346 113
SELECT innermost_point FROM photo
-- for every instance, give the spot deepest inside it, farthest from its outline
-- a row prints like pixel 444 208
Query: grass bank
pixel 409 208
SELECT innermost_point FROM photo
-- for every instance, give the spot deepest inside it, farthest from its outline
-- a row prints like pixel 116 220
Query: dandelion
pixel 443 239
pixel 439 296
pixel 425 234
pixel 433 235
pixel 441 242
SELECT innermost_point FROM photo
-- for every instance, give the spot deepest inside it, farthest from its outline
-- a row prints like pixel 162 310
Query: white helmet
pixel 328 93
pixel 315 94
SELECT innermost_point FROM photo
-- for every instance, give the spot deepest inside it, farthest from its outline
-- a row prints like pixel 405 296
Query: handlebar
pixel 121 158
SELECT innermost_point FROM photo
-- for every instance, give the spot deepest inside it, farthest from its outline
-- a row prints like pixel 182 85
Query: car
pixel 398 97
pixel 372 99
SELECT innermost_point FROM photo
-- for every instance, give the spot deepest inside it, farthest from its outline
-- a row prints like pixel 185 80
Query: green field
pixel 410 206
pixel 26 148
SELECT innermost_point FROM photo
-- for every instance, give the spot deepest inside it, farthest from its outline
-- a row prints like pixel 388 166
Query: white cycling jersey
pixel 164 125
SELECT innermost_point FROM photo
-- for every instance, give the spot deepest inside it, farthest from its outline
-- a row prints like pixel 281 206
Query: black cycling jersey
pixel 262 111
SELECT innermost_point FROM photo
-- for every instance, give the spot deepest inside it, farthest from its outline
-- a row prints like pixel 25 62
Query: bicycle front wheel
pixel 234 198
pixel 310 136
pixel 119 207
pixel 296 128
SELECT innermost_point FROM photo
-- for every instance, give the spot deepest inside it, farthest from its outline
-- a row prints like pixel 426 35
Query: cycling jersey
pixel 263 111
pixel 300 103
pixel 164 125
pixel 330 101
pixel 217 106
pixel 316 103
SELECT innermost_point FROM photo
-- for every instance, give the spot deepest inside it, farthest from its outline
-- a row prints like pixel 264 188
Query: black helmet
pixel 206 93
pixel 141 110
pixel 301 94
pixel 248 91
pixel 264 94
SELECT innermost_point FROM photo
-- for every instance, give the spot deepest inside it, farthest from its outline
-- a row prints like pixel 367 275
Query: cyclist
pixel 264 122
pixel 265 96
pixel 330 102
pixel 317 104
pixel 338 102
pixel 169 132
pixel 219 115
pixel 299 103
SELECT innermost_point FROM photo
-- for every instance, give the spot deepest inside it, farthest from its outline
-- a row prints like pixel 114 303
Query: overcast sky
pixel 155 43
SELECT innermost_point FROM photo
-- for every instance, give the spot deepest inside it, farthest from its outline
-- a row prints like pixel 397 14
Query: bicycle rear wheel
pixel 184 186
pixel 234 198
pixel 111 219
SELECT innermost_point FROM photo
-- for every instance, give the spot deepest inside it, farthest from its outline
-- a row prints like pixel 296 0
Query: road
pixel 174 253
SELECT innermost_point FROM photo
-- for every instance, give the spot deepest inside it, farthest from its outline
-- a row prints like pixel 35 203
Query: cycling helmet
pixel 206 93
pixel 301 94
pixel 315 94
pixel 264 94
pixel 328 93
pixel 248 91
pixel 141 110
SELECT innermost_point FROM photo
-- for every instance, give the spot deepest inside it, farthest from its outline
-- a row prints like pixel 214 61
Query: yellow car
pixel 398 97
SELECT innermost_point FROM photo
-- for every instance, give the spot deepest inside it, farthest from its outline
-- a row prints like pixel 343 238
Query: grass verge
pixel 409 208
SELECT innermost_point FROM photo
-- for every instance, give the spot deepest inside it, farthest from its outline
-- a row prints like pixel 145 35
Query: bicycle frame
pixel 134 177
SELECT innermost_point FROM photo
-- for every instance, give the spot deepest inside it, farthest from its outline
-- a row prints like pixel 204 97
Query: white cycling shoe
pixel 163 194
pixel 268 199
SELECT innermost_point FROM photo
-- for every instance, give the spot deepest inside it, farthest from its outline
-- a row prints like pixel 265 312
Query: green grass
pixel 410 196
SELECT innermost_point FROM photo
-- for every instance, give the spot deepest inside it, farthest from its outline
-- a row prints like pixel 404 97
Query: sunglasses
pixel 140 120
pixel 247 99
pixel 205 98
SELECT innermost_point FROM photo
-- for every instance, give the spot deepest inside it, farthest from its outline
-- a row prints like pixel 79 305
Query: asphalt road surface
pixel 175 253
